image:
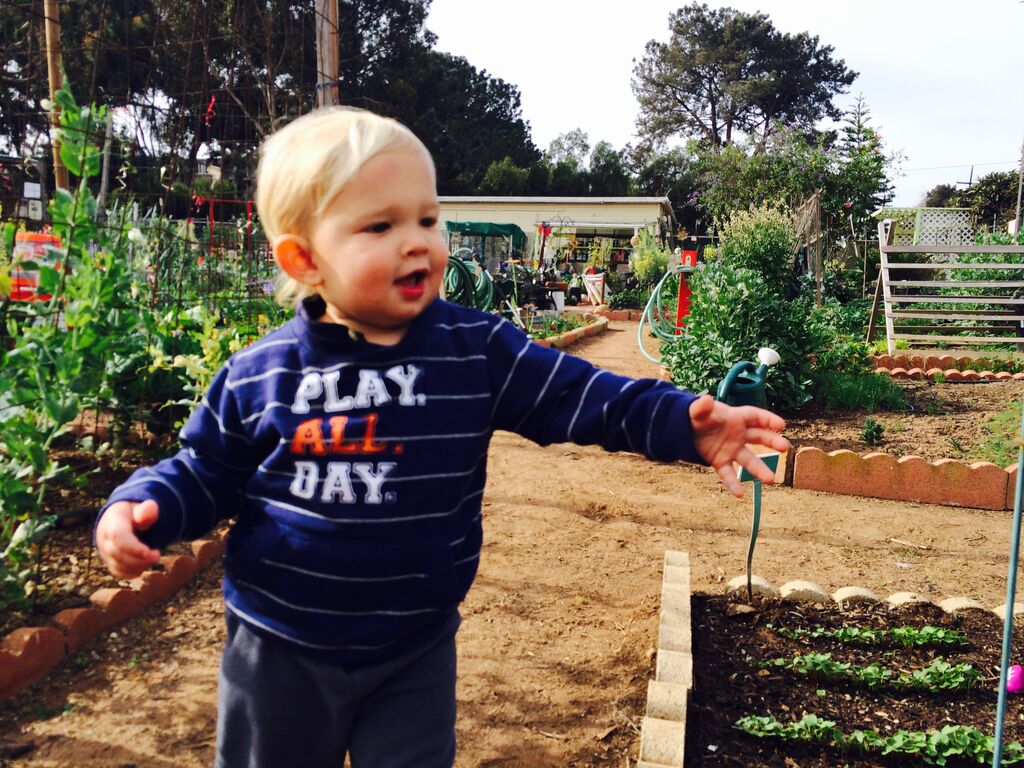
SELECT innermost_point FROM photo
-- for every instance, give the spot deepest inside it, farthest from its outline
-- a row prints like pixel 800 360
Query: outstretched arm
pixel 722 433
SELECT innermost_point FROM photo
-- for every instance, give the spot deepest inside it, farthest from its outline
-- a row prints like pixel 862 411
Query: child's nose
pixel 416 241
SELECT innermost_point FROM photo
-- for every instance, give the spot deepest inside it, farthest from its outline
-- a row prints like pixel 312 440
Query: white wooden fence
pixel 975 311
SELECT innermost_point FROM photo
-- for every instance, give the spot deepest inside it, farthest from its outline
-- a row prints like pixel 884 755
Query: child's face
pixel 377 249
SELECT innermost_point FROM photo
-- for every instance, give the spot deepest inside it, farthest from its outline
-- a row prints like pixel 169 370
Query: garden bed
pixel 69 569
pixel 945 421
pixel 735 643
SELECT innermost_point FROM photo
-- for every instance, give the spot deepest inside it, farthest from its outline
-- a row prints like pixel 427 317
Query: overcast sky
pixel 943 80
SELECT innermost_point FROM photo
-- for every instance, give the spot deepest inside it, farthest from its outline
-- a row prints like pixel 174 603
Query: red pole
pixel 212 222
pixel 689 263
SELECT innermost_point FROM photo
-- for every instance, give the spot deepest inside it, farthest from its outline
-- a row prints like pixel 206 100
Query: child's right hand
pixel 117 537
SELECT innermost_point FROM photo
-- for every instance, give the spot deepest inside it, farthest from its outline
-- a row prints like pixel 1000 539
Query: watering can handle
pixel 730 378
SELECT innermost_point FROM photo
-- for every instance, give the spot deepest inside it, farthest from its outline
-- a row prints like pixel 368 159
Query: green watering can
pixel 744 384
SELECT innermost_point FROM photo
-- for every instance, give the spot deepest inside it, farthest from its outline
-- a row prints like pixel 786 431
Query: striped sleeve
pixel 203 482
pixel 551 397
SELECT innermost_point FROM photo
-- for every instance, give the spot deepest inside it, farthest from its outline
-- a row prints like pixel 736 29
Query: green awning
pixel 489 229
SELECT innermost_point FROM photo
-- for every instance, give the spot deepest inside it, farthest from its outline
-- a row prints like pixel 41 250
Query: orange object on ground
pixel 34 247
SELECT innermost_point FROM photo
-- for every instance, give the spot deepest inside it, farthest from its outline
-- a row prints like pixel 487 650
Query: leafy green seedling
pixel 872 431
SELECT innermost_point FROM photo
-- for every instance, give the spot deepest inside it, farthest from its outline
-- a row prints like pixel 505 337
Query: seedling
pixel 928 747
pixel 908 637
pixel 940 675
pixel 872 431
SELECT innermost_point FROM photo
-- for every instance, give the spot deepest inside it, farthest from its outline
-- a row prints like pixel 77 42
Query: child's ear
pixel 294 256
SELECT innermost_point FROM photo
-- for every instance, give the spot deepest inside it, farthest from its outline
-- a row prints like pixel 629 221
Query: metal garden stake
pixel 1011 592
pixel 772 461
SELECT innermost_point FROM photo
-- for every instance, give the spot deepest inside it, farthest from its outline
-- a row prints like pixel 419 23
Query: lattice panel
pixel 944 226
pixel 929 226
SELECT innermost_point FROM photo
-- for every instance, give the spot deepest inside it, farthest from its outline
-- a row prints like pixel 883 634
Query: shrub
pixel 763 240
pixel 631 298
pixel 649 261
pixel 734 312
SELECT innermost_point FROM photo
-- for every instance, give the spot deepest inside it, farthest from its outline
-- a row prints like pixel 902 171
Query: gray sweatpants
pixel 277 708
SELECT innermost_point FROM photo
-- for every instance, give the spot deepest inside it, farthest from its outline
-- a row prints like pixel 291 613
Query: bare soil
pixel 560 628
pixel 969 421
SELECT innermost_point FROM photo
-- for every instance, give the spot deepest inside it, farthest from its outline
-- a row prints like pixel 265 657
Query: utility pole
pixel 1020 185
pixel 326 53
pixel 53 68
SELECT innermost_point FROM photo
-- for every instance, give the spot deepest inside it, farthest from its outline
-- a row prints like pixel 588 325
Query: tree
pixel 466 118
pixel 568 180
pixel 504 177
pixel 669 172
pixel 570 148
pixel 216 77
pixel 941 196
pixel 992 199
pixel 789 167
pixel 862 180
pixel 93 65
pixel 724 73
pixel 608 174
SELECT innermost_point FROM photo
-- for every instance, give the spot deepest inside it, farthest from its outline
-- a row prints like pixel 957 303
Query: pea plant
pixel 924 747
pixel 126 331
pixel 65 349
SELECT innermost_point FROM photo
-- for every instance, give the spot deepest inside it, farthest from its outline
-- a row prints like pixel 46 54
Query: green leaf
pixel 65 100
pixel 70 156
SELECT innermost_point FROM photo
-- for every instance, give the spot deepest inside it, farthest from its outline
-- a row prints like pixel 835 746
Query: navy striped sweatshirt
pixel 355 472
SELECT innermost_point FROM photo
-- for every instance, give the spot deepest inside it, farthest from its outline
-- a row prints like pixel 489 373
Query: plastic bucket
pixel 34 247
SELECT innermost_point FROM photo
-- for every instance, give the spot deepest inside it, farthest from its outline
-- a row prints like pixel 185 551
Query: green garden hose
pixel 654 318
pixel 467 283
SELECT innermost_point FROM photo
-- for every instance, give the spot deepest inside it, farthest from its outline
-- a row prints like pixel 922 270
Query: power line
pixel 964 165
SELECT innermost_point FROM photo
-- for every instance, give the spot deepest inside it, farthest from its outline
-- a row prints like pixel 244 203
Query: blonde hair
pixel 304 166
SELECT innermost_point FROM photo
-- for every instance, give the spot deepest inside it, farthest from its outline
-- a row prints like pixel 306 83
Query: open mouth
pixel 413 279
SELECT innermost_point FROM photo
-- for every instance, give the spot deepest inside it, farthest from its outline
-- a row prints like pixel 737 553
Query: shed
pixel 562 225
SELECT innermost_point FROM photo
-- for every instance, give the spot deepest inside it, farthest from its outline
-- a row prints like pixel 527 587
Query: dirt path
pixel 557 643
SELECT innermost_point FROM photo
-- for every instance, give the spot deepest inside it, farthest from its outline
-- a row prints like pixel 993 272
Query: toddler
pixel 349 446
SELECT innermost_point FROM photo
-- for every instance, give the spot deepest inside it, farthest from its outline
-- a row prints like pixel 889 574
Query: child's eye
pixel 379 228
pixel 430 222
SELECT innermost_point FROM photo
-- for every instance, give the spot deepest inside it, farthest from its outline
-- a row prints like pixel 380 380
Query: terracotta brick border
pixel 910 478
pixel 29 653
pixel 596 324
pixel 919 367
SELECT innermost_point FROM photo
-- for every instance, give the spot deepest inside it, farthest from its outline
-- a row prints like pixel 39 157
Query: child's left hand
pixel 722 433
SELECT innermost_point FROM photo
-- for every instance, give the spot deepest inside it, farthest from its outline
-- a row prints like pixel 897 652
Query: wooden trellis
pixel 966 316
pixel 807 216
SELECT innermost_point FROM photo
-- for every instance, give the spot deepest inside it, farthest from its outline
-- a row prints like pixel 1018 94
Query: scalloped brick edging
pixel 569 338
pixel 663 728
pixel 949 482
pixel 808 592
pixel 919 367
pixel 633 315
pixel 27 654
